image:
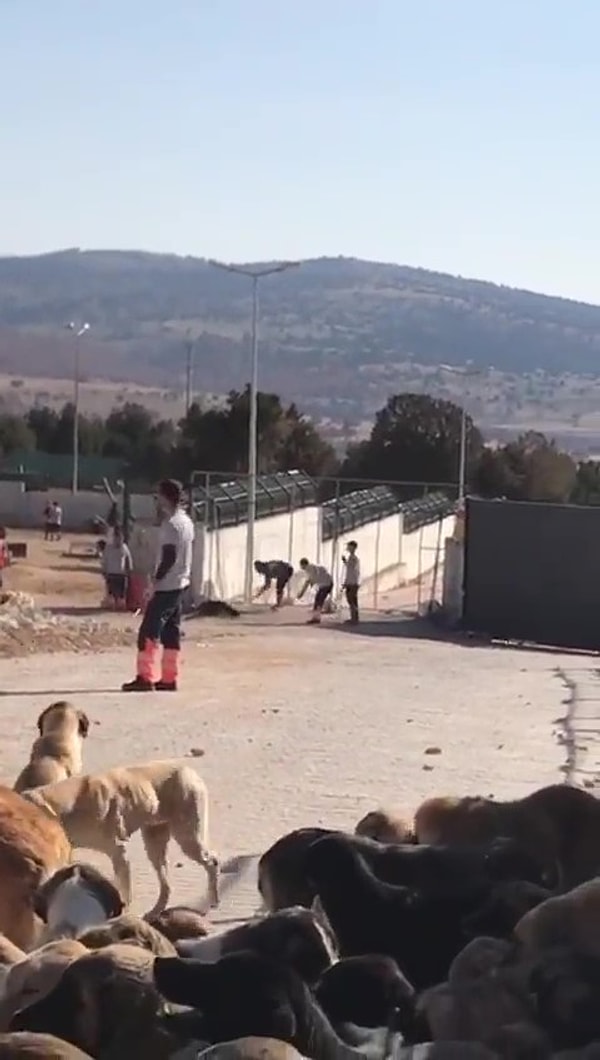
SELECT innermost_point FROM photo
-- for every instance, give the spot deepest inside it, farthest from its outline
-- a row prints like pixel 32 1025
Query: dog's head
pixel 83 876
pixel 62 716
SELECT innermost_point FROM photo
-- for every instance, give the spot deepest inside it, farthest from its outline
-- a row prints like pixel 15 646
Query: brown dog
pixel 32 846
pixel 559 825
pixel 56 754
pixel 162 800
pixel 384 826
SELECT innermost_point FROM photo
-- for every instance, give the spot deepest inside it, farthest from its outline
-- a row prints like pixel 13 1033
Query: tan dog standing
pixel 162 800
pixel 57 752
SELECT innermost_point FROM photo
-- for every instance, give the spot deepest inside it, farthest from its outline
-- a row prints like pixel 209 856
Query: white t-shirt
pixel 179 532
pixel 316 575
pixel 352 570
pixel 116 559
pixel 56 514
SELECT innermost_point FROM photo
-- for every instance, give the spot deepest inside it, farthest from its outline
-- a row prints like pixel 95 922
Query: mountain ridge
pixel 336 328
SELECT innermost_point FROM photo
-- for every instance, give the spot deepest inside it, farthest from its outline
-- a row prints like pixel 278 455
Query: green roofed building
pixel 55 470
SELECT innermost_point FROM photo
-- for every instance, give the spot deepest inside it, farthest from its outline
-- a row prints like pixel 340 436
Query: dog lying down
pixel 163 800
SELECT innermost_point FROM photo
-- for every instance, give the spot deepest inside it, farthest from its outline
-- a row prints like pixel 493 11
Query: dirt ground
pixel 56 572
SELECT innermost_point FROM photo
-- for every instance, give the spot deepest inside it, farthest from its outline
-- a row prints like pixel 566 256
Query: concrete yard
pixel 296 726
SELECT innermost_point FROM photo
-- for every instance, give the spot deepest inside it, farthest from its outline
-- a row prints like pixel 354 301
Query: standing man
pixel 352 580
pixel 161 623
pixel 322 581
pixel 276 569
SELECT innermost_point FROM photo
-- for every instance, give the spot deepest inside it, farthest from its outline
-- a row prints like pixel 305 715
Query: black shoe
pixel 166 686
pixel 139 684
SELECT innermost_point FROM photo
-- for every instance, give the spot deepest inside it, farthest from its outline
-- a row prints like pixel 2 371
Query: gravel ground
pixel 296 726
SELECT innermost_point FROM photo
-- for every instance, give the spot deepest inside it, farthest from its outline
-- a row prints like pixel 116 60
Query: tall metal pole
pixel 75 483
pixel 189 371
pixel 467 372
pixel 252 447
pixel 255 275
pixel 462 468
pixel 78 332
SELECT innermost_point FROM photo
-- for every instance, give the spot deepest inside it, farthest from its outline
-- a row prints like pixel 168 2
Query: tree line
pixel 415 438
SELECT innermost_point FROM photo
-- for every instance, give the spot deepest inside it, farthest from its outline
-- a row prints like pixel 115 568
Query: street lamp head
pixel 72 326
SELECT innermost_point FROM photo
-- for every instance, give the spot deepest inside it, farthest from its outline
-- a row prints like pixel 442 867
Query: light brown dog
pixel 36 975
pixel 559 825
pixel 57 752
pixel 32 846
pixel 162 800
pixel 385 826
pixel 38 1047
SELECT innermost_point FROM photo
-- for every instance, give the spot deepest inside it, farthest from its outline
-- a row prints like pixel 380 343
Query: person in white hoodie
pixel 321 579
pixel 352 580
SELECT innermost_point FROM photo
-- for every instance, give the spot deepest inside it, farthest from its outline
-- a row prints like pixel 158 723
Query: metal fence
pixel 219 500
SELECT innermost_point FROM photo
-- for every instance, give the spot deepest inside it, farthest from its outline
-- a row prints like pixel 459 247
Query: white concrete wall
pixel 222 553
pixel 25 509
pixel 389 558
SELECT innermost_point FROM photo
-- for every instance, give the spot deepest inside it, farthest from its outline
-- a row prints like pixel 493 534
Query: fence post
pixel 208 538
pixel 376 572
pixel 291 528
pixel 335 543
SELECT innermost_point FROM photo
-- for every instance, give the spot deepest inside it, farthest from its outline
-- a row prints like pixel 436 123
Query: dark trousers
pixel 321 595
pixel 352 598
pixel 162 620
pixel 281 583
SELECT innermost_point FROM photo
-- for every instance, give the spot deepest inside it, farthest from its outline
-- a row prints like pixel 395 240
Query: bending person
pixel 321 579
pixel 275 570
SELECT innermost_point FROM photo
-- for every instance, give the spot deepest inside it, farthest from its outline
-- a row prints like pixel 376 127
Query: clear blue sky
pixel 460 135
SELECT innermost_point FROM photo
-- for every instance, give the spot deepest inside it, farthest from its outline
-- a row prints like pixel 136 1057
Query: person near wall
pixel 276 570
pixel 47 521
pixel 55 522
pixel 161 623
pixel 116 568
pixel 352 580
pixel 4 555
pixel 321 580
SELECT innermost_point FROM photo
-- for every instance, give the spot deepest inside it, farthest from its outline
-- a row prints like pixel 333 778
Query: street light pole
pixel 189 370
pixel 467 372
pixel 78 332
pixel 255 275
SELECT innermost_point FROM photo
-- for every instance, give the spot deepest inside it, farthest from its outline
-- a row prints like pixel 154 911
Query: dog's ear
pixel 40 721
pixel 103 888
pixel 84 724
pixel 43 896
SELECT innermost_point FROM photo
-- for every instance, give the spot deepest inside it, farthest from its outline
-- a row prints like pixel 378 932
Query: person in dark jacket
pixel 276 570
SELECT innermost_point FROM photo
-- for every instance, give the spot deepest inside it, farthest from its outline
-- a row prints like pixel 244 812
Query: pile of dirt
pixel 26 629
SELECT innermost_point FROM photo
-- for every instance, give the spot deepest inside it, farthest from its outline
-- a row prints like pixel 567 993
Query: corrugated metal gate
pixel 532 572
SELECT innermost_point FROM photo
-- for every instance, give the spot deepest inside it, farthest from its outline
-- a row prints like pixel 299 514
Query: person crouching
pixel 276 569
pixel 161 623
pixel 321 579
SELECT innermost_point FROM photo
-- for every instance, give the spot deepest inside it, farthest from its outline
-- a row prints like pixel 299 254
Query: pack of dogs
pixel 470 931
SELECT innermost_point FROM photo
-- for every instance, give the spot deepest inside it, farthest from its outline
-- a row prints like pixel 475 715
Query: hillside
pixel 336 328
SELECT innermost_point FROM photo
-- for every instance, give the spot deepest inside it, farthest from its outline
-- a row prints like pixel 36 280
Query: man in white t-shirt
pixel 321 579
pixel 161 623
